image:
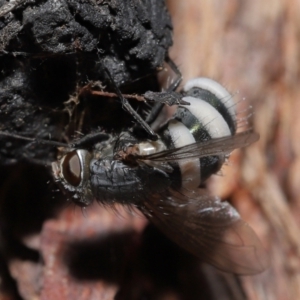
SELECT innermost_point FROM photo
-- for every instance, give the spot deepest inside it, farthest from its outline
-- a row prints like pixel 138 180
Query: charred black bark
pixel 49 50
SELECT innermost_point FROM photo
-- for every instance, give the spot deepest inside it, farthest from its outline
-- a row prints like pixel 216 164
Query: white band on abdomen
pixel 215 88
pixel 190 168
pixel 208 116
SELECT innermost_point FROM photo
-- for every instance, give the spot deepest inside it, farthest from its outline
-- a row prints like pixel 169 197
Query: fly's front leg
pixel 168 98
pixel 89 140
pixel 126 105
pixel 174 68
pixel 161 99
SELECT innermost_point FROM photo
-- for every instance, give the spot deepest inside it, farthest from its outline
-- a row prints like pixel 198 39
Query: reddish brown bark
pixel 252 47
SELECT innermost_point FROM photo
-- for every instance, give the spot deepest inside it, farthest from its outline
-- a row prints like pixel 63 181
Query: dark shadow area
pixel 53 80
pixel 102 258
pixel 8 284
pixel 26 201
pixel 145 267
pixel 162 270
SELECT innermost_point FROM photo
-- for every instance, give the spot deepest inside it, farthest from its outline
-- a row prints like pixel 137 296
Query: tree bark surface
pixel 252 47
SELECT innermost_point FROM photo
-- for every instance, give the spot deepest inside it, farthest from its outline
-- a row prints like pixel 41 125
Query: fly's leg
pixel 85 142
pixel 169 97
pixel 174 68
pixel 126 105
pixel 89 140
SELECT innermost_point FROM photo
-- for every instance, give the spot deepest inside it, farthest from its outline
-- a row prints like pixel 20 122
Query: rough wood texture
pixel 252 47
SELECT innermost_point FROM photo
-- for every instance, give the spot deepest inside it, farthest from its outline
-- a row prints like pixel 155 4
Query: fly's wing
pixel 218 146
pixel 210 229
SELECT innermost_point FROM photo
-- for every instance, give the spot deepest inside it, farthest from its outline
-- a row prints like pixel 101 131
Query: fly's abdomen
pixel 211 114
pixel 216 95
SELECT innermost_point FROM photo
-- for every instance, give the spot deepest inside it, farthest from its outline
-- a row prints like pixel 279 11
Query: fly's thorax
pixel 121 182
pixel 118 177
pixel 150 147
pixel 104 150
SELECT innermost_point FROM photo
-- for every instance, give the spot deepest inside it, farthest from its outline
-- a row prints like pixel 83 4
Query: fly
pixel 162 173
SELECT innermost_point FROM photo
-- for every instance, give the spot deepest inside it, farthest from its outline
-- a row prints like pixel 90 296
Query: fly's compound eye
pixel 71 169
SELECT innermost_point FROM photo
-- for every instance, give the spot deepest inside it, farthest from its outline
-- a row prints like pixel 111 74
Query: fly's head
pixel 72 171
